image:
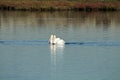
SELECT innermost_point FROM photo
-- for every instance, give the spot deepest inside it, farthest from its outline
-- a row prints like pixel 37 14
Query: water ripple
pixel 45 42
pixel 94 43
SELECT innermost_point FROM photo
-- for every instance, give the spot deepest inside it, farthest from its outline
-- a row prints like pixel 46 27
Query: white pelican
pixel 56 41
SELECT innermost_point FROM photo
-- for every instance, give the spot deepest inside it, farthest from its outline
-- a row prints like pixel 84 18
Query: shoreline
pixel 59 6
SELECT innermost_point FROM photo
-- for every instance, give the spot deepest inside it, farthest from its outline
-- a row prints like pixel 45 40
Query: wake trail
pixel 45 42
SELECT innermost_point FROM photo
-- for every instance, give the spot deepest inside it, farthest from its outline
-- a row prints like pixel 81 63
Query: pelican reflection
pixel 56 53
pixel 56 60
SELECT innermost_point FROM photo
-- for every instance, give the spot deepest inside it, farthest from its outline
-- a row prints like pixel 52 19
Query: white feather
pixel 56 41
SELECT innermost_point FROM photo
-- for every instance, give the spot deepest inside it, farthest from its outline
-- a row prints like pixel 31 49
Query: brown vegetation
pixel 59 5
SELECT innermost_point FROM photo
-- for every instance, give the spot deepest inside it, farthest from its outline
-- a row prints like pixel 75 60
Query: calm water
pixel 91 52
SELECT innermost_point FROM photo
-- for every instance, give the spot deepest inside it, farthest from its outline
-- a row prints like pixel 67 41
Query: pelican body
pixel 56 41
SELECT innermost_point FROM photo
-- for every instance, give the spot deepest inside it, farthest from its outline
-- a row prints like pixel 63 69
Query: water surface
pixel 91 51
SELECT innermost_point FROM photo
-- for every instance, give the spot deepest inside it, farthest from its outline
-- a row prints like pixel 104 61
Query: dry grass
pixel 58 5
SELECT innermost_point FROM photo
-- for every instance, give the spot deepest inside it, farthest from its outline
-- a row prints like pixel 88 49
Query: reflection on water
pixel 56 61
pixel 56 51
pixel 33 25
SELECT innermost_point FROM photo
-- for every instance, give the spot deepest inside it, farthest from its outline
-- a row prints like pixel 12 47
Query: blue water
pixel 45 42
pixel 91 50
